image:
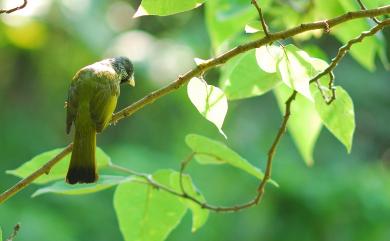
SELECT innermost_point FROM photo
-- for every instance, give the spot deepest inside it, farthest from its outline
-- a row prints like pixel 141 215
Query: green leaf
pixel 297 68
pixel 59 170
pixel 255 26
pixel 217 152
pixel 227 18
pixel 148 214
pixel 210 101
pixel 199 214
pixel 171 179
pixel 166 7
pixel 316 52
pixel 1 234
pixel 339 116
pixel 304 124
pixel 61 187
pixel 268 57
pixel 242 78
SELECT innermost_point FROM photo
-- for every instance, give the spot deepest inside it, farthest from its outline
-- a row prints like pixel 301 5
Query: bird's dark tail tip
pixel 81 175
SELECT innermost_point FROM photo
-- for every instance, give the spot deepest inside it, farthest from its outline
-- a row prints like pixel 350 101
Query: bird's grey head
pixel 125 69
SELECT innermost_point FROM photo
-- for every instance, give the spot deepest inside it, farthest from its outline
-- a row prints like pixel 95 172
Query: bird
pixel 92 98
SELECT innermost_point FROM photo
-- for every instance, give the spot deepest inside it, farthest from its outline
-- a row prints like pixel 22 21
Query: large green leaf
pixel 242 78
pixel 297 68
pixel 61 187
pixel 209 100
pixel 166 7
pixel 208 151
pixel 148 214
pixel 1 234
pixel 59 170
pixel 304 124
pixel 339 116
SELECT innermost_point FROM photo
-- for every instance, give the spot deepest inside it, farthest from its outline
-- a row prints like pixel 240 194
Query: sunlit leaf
pixel 255 27
pixel 209 151
pixel 304 124
pixel 210 101
pixel 149 214
pixel 61 187
pixel 166 7
pixel 59 170
pixel 268 57
pixel 297 68
pixel 242 78
pixel 339 116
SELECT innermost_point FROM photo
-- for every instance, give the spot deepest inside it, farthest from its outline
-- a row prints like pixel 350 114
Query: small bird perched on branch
pixel 92 99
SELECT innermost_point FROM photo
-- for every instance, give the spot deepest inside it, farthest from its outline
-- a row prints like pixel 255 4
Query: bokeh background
pixel 341 197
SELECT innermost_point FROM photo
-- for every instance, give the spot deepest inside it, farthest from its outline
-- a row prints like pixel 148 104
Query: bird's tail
pixel 82 168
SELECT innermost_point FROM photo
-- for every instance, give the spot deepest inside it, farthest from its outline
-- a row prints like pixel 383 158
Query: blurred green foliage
pixel 341 197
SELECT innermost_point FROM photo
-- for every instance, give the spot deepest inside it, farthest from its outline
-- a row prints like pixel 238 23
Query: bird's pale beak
pixel 131 81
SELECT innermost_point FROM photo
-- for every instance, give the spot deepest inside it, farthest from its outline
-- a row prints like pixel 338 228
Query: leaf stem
pixel 261 16
pixel 364 8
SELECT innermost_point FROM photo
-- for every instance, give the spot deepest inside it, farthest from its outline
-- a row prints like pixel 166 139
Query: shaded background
pixel 342 197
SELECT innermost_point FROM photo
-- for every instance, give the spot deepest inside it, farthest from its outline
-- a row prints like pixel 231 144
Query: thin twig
pixel 268 170
pixel 153 183
pixel 272 150
pixel 201 68
pixel 23 5
pixel 362 7
pixel 345 48
pixel 261 16
pixel 14 232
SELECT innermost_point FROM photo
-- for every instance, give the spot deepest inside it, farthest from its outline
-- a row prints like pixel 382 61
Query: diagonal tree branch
pixel 211 63
pixel 201 68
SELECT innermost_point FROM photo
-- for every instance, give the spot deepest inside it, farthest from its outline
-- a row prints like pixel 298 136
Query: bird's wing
pixel 71 106
pixel 103 102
